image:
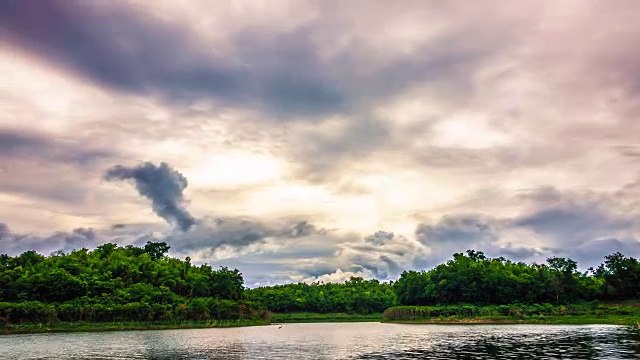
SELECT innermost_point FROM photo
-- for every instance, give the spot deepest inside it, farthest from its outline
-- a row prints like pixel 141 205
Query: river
pixel 336 341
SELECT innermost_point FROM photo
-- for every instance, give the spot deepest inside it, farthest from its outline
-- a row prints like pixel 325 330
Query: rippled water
pixel 336 341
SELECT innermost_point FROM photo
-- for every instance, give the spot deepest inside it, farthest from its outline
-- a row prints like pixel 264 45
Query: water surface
pixel 336 341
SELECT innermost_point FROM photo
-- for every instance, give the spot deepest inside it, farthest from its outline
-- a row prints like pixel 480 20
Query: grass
pixel 305 317
pixel 118 326
pixel 584 313
pixel 559 320
pixel 627 313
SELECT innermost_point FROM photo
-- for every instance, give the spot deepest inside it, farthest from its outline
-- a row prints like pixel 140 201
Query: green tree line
pixel 130 283
pixel 353 296
pixel 113 283
pixel 476 279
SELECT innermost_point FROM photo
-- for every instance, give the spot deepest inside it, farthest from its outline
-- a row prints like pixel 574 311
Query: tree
pixel 156 249
pixel 621 276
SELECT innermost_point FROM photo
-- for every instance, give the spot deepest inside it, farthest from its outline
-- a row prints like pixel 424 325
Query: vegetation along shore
pixel 135 288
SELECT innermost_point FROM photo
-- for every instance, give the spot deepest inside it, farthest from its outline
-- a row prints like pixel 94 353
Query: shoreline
pixel 72 327
pixel 560 320
pixel 308 318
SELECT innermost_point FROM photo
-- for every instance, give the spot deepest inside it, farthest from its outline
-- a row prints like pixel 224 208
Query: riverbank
pixel 558 320
pixel 121 326
pixel 577 314
pixel 306 317
pixel 61 327
pixel 584 313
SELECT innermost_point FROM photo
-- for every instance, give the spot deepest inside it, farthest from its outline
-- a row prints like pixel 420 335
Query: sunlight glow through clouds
pixel 234 169
pixel 43 89
pixel 468 131
pixel 347 116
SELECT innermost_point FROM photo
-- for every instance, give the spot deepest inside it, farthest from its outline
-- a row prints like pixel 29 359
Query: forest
pixel 113 283
pixel 353 296
pixel 130 283
pixel 476 279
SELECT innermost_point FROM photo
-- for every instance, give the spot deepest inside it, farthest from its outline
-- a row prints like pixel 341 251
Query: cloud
pixel 15 244
pixel 365 117
pixel 16 144
pixel 124 48
pixel 87 233
pixel 379 238
pixel 584 226
pixel 4 230
pixel 49 168
pixel 212 233
pixel 340 276
pixel 459 229
pixel 289 73
pixel 236 234
pixel 160 184
pixel 383 254
pixel 304 228
pixel 573 225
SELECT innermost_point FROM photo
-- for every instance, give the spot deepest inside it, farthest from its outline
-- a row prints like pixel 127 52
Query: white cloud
pixel 357 116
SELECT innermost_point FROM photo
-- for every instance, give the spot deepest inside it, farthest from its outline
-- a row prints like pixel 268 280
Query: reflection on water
pixel 336 341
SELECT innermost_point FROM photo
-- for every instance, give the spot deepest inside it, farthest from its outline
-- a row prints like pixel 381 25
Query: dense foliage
pixel 114 283
pixel 475 279
pixel 132 283
pixel 585 312
pixel 356 295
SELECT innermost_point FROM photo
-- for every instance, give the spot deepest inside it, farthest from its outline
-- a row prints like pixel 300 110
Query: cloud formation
pixel 15 244
pixel 322 139
pixel 125 49
pixel 162 185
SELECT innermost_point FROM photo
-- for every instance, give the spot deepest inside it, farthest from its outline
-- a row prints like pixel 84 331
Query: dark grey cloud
pixel 491 159
pixel 87 233
pixel 302 229
pixel 210 234
pixel 592 253
pixel 318 270
pixel 382 267
pixel 458 229
pixel 584 226
pixel 283 73
pixel 321 155
pixel 162 185
pixel 521 253
pixel 125 49
pixel 383 255
pixel 278 257
pixel 214 233
pixel 49 167
pixel 14 243
pixel 379 238
pixel 392 267
pixel 4 230
pixel 575 218
pixel 15 144
pixel 574 224
pixel 457 233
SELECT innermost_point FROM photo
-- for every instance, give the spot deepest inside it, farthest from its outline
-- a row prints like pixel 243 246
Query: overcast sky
pixel 316 140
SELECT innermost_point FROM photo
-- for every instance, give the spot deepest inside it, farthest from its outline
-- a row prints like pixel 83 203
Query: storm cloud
pixel 123 48
pixel 15 243
pixel 162 185
pixel 322 139
pixel 22 145
pixel 237 234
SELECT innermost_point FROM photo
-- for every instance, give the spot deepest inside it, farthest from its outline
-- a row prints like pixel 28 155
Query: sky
pixel 318 140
